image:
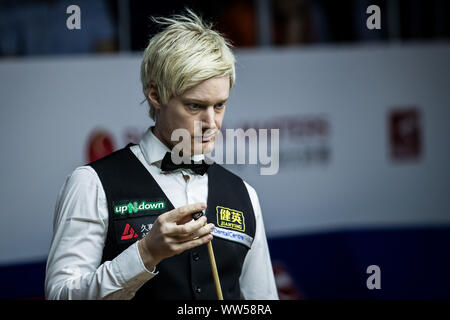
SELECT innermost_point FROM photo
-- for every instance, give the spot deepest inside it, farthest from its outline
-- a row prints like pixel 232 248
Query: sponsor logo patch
pixel 145 228
pixel 132 229
pixel 234 236
pixel 136 207
pixel 230 219
pixel 128 233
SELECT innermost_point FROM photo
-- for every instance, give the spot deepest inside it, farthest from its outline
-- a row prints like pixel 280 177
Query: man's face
pixel 203 104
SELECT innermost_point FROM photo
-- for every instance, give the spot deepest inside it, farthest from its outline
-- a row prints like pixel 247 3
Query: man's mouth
pixel 205 136
pixel 208 138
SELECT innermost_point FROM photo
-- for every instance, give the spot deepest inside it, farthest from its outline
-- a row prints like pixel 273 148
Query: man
pixel 123 226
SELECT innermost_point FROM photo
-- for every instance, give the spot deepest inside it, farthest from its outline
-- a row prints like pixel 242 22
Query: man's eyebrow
pixel 202 102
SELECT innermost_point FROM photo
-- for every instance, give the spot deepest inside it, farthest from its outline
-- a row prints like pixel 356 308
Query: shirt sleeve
pixel 257 280
pixel 79 232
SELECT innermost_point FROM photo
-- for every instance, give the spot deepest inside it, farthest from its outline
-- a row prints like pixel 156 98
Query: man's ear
pixel 153 96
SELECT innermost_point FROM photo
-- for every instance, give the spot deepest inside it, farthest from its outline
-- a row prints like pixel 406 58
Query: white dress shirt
pixel 81 223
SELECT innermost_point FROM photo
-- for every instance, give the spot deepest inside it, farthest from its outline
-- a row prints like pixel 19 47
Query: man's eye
pixel 194 106
pixel 220 105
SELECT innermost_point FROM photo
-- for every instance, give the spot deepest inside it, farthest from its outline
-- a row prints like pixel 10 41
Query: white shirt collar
pixel 154 149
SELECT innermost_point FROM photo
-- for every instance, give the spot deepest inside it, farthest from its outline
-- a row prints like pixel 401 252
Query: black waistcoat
pixel 135 200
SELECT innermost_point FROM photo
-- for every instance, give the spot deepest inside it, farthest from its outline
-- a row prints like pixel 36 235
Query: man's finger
pixel 179 230
pixel 194 243
pixel 178 213
pixel 196 234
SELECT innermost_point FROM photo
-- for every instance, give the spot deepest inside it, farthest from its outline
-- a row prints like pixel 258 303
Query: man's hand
pixel 174 232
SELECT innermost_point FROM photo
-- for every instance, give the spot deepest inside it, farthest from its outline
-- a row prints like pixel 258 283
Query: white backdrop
pixel 49 106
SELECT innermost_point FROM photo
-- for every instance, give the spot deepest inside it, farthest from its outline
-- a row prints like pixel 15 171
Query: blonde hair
pixel 187 52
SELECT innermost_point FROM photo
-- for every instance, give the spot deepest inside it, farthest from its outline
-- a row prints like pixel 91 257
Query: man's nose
pixel 208 118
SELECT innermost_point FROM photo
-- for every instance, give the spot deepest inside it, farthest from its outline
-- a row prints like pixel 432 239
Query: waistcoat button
pixel 195 256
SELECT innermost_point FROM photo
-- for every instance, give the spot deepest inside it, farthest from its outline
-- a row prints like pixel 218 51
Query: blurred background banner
pixel 362 115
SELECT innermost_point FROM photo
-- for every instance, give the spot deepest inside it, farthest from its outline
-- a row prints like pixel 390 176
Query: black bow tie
pixel 168 165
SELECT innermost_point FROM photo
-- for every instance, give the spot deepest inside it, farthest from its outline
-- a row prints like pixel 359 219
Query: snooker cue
pixel 214 271
pixel 212 260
